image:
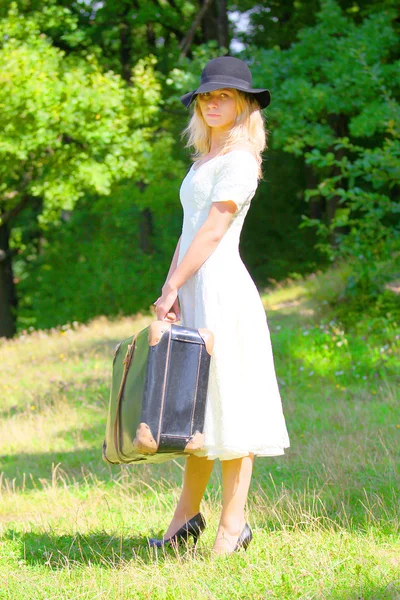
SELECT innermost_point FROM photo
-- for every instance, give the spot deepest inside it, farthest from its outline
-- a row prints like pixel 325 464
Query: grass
pixel 325 516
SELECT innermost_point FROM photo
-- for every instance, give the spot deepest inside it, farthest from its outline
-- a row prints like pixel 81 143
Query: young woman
pixel 209 286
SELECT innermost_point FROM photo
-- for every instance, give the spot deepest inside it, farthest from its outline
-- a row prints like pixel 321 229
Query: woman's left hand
pixel 164 303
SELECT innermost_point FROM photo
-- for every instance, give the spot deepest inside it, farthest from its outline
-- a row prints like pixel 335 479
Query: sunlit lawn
pixel 325 516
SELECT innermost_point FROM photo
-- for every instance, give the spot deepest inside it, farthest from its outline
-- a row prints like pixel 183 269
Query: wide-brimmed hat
pixel 227 72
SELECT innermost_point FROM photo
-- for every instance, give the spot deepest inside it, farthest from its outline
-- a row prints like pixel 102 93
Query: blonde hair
pixel 249 127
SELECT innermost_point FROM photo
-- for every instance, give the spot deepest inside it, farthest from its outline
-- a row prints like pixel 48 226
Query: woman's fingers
pixel 176 309
pixel 165 306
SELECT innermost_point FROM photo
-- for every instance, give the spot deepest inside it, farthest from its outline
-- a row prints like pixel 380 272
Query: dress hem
pixel 228 453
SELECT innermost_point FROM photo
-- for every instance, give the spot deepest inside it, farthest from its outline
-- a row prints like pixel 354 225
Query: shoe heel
pixel 246 543
pixel 184 540
pixel 245 538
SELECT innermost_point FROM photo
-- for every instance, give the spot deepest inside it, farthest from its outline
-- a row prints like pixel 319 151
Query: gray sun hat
pixel 227 72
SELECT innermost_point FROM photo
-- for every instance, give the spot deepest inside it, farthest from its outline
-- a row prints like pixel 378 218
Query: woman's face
pixel 218 107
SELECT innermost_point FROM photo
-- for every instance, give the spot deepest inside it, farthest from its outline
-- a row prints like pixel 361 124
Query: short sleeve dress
pixel 244 409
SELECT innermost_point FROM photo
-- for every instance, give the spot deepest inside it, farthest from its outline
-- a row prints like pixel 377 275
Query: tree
pixel 323 91
pixel 67 128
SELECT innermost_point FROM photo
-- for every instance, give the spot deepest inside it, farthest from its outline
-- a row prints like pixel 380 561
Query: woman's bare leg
pixel 236 477
pixel 197 473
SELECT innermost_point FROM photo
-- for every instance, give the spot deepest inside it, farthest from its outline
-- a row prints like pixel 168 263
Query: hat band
pixel 227 79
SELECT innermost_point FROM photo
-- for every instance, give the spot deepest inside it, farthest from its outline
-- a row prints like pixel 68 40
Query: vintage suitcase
pixel 158 394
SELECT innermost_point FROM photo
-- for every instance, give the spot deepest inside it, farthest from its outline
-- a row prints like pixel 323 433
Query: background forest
pixel 91 155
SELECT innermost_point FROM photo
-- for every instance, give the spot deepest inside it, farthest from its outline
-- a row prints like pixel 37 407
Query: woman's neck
pixel 218 140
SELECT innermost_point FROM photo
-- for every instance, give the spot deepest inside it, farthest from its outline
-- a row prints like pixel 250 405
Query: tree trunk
pixel 215 26
pixel 146 231
pixel 223 24
pixel 316 202
pixel 8 297
pixel 125 38
pixel 151 38
pixel 186 42
pixel 146 226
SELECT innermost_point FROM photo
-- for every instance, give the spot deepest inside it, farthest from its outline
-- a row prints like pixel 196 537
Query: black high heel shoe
pixel 193 527
pixel 244 538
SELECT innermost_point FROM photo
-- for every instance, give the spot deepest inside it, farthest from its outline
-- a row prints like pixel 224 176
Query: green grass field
pixel 325 516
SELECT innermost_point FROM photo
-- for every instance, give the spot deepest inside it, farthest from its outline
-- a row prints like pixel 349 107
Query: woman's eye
pixel 207 94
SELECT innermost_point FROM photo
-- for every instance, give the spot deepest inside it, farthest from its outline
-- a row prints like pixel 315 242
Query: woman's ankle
pixel 186 513
pixel 232 524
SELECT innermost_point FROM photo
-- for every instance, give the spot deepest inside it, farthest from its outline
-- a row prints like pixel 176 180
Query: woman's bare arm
pixel 203 244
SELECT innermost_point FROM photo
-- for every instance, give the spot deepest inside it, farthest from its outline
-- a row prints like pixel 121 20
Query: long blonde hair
pixel 249 127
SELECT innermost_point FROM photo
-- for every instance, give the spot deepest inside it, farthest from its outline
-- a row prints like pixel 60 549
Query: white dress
pixel 244 409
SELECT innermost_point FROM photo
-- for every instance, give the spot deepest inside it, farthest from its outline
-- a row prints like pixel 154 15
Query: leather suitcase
pixel 158 394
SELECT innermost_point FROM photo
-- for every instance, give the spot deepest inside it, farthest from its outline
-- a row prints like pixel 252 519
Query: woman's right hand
pixel 176 309
pixel 175 312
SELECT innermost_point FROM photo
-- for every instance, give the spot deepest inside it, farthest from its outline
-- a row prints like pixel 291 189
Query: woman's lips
pixel 212 115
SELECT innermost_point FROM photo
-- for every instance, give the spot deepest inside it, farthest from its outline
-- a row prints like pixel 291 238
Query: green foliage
pixel 367 230
pixel 66 127
pixel 335 105
pixel 71 130
pixel 92 263
pixel 322 83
